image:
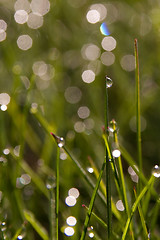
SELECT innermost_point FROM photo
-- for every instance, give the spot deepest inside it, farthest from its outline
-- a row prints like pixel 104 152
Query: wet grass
pixel 34 180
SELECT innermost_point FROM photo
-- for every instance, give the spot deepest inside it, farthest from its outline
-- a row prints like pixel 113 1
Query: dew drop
pixel 109 82
pixel 50 183
pixel 70 201
pixel 91 234
pixel 90 169
pixel 156 171
pixel 116 153
pixel 20 237
pixel 61 142
pixel 69 231
pixel 74 192
pixel 71 221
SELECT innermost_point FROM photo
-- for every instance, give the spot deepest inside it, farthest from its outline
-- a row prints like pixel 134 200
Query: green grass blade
pixel 36 225
pixel 57 191
pixel 138 115
pixel 116 178
pixel 135 205
pixel 142 218
pixel 18 232
pixel 89 212
pixel 132 163
pixel 154 216
pixel 121 177
pixel 102 222
pixel 48 130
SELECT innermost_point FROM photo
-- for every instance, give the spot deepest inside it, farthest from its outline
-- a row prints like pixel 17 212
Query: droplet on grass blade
pixel 59 140
pixel 50 183
pixel 156 171
pixel 109 82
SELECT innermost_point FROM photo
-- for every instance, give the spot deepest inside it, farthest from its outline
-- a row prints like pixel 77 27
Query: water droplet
pixel 119 205
pixel 3 160
pixel 6 151
pixel 3 226
pixel 109 82
pixel 116 153
pixel 60 142
pixel 90 232
pixel 69 231
pixel 20 237
pixel 156 171
pixel 90 169
pixel 71 221
pixel 70 201
pixel 74 192
pixel 50 183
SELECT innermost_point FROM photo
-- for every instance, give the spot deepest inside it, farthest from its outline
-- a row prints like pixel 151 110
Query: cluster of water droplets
pixel 90 232
pixel 3 230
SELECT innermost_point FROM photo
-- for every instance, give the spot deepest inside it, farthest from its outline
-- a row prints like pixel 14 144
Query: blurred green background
pixel 53 58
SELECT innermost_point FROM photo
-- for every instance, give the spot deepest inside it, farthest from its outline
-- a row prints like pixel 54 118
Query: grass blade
pixel 142 218
pixel 36 225
pixel 135 205
pixel 132 163
pixel 57 191
pixel 138 116
pixel 89 212
pixel 102 222
pixel 121 177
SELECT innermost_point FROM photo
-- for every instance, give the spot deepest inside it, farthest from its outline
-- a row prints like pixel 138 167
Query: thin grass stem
pixel 102 222
pixel 108 173
pixel 132 163
pixel 52 215
pixel 135 205
pixel 89 212
pixel 142 218
pixel 57 192
pixel 138 115
pixel 121 177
